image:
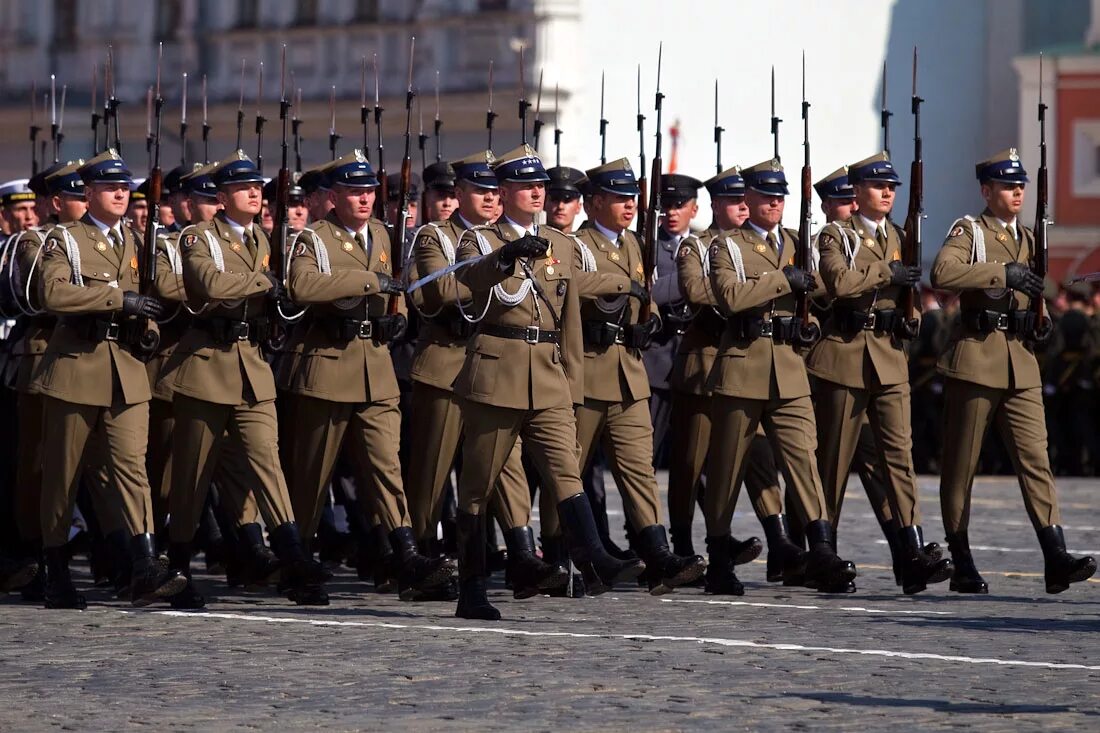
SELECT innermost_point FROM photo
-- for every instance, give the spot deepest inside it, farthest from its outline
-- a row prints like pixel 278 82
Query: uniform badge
pixel 684 252
pixel 267 258
pixel 868 242
pixel 236 247
pixel 614 257
pixel 897 256
pixel 791 262
pixel 956 231
pixel 134 264
pixel 713 252
pixel 639 269
pixel 51 245
pixel 101 246
pixel 189 241
pixel 1002 237
pixel 549 269
pixel 760 248
pixel 561 288
pixel 300 250
pixel 382 257
pixel 347 247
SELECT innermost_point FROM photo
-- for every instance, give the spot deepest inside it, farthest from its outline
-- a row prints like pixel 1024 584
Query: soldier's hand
pixel 642 333
pixel 392 327
pixel 526 246
pixel 902 274
pixel 135 304
pixel 639 291
pixel 388 284
pixel 277 291
pixel 800 280
pixel 1020 277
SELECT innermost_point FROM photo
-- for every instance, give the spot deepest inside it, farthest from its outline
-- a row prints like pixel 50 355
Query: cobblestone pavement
pixel 777 658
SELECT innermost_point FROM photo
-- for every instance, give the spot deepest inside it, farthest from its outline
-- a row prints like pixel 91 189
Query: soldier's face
pixel 613 211
pixel 765 210
pixel 242 199
pixel 69 208
pixel 678 217
pixel 528 198
pixel 562 211
pixel 181 206
pixel 1004 199
pixel 297 216
pixel 319 204
pixel 204 208
pixel 267 222
pixel 352 205
pixel 439 203
pixel 838 209
pixel 477 204
pixel 139 215
pixel 729 211
pixel 167 215
pixel 108 199
pixel 22 216
pixel 875 198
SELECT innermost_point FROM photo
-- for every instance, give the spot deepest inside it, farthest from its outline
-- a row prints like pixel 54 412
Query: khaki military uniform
pixel 757 381
pixel 89 379
pixel 511 387
pixel 991 378
pixel 436 416
pixel 219 383
pixel 865 372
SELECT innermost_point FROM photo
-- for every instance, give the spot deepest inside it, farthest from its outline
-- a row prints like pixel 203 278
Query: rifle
pixel 490 115
pixel 439 123
pixel 260 120
pixel 652 219
pixel 333 137
pixel 808 332
pixel 775 121
pixel 205 125
pixel 183 124
pixel 35 129
pixel 53 115
pixel 296 127
pixel 95 112
pixel 523 103
pixel 112 101
pixel 280 228
pixel 642 182
pixel 149 126
pixel 1039 259
pixel 383 185
pixel 240 108
pixel 718 130
pixel 603 125
pixel 147 276
pixel 60 125
pixel 911 247
pixel 537 124
pixel 421 138
pixel 557 130
pixel 364 113
pixel 402 214
pixel 885 114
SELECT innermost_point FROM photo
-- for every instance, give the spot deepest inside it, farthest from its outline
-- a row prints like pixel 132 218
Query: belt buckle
pixel 531 334
pixel 243 330
pixel 1001 323
pixel 112 332
pixel 620 334
pixel 767 328
pixel 871 322
pixel 366 330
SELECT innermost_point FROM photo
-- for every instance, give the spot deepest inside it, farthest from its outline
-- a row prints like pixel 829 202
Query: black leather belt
pixel 782 330
pixel 848 321
pixel 987 321
pixel 601 334
pixel 454 324
pixel 228 331
pixel 530 334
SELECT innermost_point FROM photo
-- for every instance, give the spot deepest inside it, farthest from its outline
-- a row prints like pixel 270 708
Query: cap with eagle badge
pixel 316 178
pixel 727 183
pixel 615 177
pixel 393 187
pixel 353 171
pixel 1004 167
pixel 477 169
pixel 877 168
pixel 520 165
pixel 107 167
pixel 836 185
pixel 237 168
pixel 66 180
pixel 294 193
pixel 566 184
pixel 766 178
pixel 199 183
pixel 37 182
pixel 173 179
pixel 439 176
pixel 677 189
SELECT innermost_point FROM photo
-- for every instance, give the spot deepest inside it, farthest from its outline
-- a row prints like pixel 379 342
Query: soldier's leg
pixel 590 419
pixel 762 479
pixel 868 464
pixel 374 433
pixel 785 555
pixel 198 432
pixel 839 413
pixel 689 439
pixel 158 458
pixel 437 424
pixel 319 427
pixel 511 502
pixel 28 471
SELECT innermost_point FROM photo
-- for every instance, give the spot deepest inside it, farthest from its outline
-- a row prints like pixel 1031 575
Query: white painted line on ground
pixel 716 641
pixel 800 607
pixel 1036 550
pixel 933 520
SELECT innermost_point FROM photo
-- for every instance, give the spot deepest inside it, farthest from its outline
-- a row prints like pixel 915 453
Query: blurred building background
pixel 978 72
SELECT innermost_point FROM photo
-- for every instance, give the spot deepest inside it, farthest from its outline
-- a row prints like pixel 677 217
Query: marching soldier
pixel 91 380
pixel 521 378
pixel 563 197
pixel 860 363
pixel 344 383
pixel 220 381
pixel 992 374
pixel 314 183
pixel 759 378
pixel 439 192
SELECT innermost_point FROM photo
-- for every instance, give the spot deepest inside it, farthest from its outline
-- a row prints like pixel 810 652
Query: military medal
pixel 101 246
pixel 347 246
pixel 549 269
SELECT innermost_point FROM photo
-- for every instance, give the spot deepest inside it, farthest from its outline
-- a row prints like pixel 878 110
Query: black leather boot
pixel 965 577
pixel 255 565
pixel 60 591
pixel 303 576
pixel 665 570
pixel 529 574
pixel 1060 567
pixel 417 575
pixel 829 573
pixel 149 581
pixel 473 573
pixel 34 590
pixel 600 570
pixel 376 560
pixel 744 551
pixel 892 532
pixel 116 550
pixel 721 580
pixel 554 553
pixel 17 573
pixel 917 568
pixel 786 560
pixel 179 559
pixel 681 540
pixel 212 540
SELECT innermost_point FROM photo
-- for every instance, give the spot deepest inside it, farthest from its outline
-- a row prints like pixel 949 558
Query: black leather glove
pixel 639 291
pixel 1020 277
pixel 800 280
pixel 277 291
pixel 526 246
pixel 391 328
pixel 902 274
pixel 135 304
pixel 641 334
pixel 389 285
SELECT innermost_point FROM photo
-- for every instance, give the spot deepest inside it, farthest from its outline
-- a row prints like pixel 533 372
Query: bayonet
pixel 885 114
pixel 205 125
pixel 523 103
pixel 364 113
pixel 718 130
pixel 557 129
pixel 260 119
pixel 490 115
pixel 438 126
pixel 240 108
pixel 183 124
pixel 603 121
pixel 537 124
pixel 775 122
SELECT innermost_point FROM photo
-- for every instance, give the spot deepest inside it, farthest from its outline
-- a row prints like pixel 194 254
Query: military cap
pixel 316 178
pixel 727 183
pixel 237 168
pixel 477 169
pixel 65 180
pixel 139 190
pixel 295 194
pixel 876 168
pixel 678 189
pixel 173 179
pixel 14 192
pixel 108 166
pixel 615 177
pixel 37 182
pixel 521 165
pixel 566 183
pixel 766 178
pixel 198 182
pixel 1080 290
pixel 440 176
pixel 393 186
pixel 353 170
pixel 1004 167
pixel 836 185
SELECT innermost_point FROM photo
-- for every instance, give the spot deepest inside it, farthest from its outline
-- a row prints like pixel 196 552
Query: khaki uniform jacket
pixel 997 360
pixel 511 373
pixel 329 368
pixel 200 367
pixel 31 348
pixel 169 288
pixel 612 373
pixel 863 286
pixel 439 355
pixel 75 369
pixel 699 346
pixel 746 368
